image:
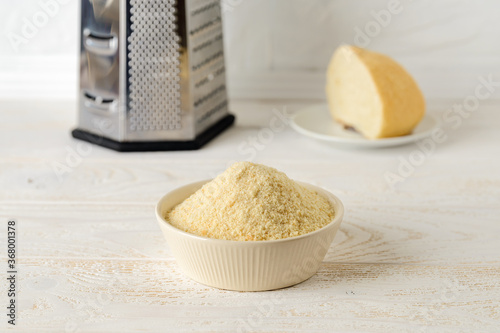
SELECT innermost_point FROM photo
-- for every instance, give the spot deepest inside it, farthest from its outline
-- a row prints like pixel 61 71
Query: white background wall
pixel 280 48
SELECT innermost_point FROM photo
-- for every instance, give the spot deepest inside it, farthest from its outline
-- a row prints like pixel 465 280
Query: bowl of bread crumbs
pixel 250 229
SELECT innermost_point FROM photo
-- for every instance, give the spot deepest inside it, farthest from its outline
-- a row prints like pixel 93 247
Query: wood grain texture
pixel 369 233
pixel 123 295
pixel 421 256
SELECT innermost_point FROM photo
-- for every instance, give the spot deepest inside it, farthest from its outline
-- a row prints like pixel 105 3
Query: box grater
pixel 152 74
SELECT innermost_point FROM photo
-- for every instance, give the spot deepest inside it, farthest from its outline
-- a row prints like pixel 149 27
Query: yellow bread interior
pixel 372 93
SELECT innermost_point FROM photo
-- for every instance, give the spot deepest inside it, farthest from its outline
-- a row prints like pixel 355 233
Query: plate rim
pixel 361 141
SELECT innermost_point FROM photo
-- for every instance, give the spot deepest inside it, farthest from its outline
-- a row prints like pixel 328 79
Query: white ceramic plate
pixel 315 122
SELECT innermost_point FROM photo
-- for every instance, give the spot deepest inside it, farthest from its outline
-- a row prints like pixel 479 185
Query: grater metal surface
pixel 152 71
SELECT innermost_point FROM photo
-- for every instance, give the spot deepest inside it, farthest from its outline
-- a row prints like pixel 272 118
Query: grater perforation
pixel 153 55
pixel 208 60
pixel 210 24
pixel 207 43
pixel 210 77
pixel 210 95
pixel 212 111
pixel 204 8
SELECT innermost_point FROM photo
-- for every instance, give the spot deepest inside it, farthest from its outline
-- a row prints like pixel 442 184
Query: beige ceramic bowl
pixel 251 265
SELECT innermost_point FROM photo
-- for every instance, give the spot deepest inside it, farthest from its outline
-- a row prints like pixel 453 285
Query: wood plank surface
pixel 115 295
pixel 421 255
pixel 368 234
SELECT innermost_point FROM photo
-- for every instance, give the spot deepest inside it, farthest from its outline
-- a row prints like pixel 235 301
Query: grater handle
pixel 105 45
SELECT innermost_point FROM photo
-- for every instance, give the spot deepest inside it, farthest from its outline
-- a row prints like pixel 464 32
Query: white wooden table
pixel 423 255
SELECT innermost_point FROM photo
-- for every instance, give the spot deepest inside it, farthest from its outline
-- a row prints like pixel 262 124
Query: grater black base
pixel 128 146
